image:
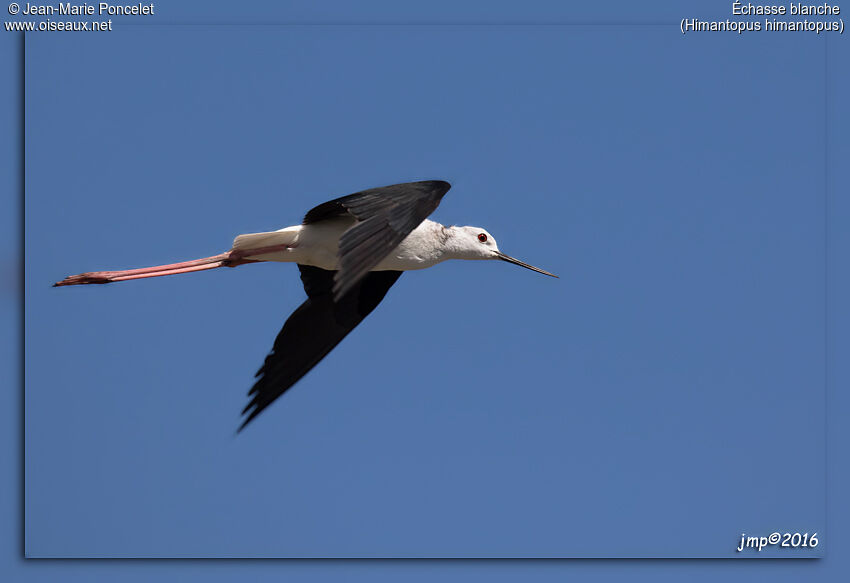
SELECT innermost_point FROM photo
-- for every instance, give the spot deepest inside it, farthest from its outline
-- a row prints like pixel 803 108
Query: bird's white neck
pixel 453 246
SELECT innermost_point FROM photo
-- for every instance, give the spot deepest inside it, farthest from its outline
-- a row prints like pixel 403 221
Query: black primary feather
pixel 313 330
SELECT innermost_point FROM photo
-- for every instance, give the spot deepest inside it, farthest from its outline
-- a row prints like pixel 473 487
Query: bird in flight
pixel 350 251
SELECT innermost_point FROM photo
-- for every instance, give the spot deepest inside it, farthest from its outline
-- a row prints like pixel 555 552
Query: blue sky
pixel 665 395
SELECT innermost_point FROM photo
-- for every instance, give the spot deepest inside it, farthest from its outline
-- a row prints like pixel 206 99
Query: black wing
pixel 313 330
pixel 385 217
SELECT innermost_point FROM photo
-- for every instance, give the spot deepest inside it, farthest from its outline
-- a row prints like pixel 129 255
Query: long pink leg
pixel 228 259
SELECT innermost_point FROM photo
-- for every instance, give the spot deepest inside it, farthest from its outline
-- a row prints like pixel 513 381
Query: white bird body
pixel 317 244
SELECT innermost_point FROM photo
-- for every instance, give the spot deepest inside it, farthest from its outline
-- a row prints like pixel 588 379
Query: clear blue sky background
pixel 666 395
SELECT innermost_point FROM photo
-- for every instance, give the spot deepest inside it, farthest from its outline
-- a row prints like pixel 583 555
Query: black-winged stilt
pixel 350 251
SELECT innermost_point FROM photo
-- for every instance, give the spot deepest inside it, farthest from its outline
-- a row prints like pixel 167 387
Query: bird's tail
pixel 256 245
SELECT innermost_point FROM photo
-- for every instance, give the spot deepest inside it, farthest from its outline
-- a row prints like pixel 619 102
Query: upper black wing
pixel 313 330
pixel 385 217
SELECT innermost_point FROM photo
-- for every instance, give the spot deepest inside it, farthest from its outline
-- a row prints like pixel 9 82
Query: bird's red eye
pixel 482 237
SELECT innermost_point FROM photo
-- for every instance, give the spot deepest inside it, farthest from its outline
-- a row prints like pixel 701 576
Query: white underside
pixel 317 244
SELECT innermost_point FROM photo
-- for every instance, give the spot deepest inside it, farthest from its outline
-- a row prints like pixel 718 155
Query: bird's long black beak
pixel 510 259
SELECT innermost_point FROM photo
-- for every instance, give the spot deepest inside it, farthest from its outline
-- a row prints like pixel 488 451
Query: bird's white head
pixel 477 243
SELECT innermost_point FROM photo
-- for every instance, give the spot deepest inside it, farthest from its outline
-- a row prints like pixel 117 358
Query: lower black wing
pixel 313 330
pixel 385 216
